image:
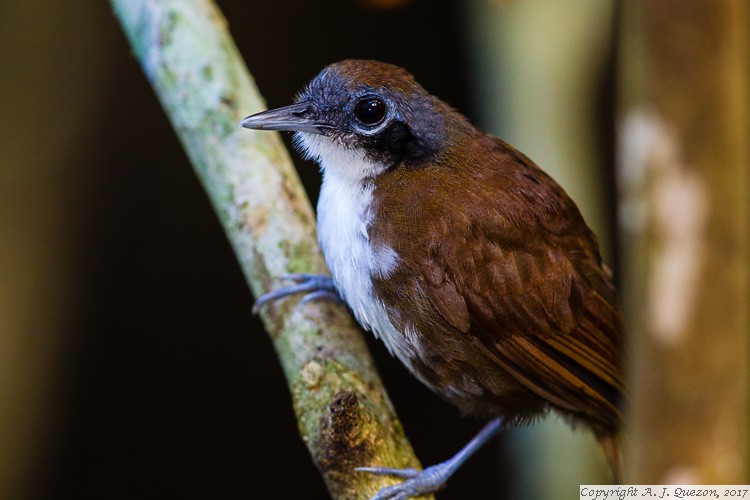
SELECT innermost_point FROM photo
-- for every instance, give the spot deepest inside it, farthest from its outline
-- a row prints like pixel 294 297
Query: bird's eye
pixel 370 110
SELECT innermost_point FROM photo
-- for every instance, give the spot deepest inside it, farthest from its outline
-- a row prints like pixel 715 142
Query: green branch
pixel 344 414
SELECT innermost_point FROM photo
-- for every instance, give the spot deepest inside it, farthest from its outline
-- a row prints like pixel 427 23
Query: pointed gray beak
pixel 295 117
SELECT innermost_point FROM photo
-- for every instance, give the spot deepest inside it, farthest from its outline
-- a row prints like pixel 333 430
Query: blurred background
pixel 130 363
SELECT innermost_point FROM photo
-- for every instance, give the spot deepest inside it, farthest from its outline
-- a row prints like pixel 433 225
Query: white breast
pixel 344 215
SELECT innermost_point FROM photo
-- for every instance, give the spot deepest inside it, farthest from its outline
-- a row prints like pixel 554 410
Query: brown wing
pixel 517 268
pixel 548 317
pixel 536 292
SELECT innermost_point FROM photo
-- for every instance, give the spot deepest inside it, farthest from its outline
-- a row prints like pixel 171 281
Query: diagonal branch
pixel 344 414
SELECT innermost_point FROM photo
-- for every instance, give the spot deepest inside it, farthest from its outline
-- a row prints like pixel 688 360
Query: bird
pixel 470 263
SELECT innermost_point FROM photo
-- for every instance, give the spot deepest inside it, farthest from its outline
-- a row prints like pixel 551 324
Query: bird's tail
pixel 612 448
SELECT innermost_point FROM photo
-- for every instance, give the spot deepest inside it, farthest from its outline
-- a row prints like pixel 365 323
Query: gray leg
pixel 432 478
pixel 315 286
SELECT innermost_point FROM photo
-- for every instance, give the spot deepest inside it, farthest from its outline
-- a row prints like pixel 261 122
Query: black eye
pixel 370 110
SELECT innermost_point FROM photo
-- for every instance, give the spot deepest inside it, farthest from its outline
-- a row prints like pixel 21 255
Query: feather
pixel 508 277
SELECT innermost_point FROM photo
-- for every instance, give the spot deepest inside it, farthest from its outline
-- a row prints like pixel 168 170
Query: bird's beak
pixel 295 117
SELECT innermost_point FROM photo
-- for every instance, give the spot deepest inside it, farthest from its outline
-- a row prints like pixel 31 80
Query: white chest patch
pixel 344 215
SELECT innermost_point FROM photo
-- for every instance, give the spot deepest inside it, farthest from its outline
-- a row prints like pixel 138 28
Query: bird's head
pixel 361 117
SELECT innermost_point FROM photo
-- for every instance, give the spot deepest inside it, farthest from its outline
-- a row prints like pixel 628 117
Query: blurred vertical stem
pixel 683 172
pixel 344 415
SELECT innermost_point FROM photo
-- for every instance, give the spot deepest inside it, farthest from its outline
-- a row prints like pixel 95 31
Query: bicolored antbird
pixel 471 263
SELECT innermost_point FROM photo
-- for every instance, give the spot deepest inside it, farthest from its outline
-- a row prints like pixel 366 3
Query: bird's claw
pixel 432 478
pixel 315 286
pixel 416 482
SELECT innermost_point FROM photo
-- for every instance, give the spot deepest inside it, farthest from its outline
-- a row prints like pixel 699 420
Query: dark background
pixel 171 386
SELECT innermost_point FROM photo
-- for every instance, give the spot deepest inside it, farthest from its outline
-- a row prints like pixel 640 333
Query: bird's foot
pixel 314 286
pixel 417 482
pixel 432 478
